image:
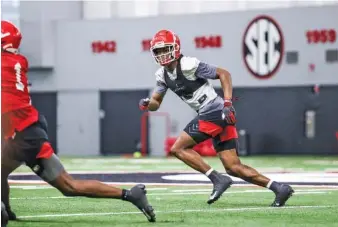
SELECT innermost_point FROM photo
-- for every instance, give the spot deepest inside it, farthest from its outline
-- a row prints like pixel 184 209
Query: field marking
pixel 305 193
pixel 40 182
pixel 182 170
pixel 295 178
pixel 40 187
pixel 321 162
pixel 177 211
pixel 255 190
pixel 31 187
pixel 299 192
pixel 50 197
pixel 238 192
pixel 194 190
pixel 124 161
pixel 308 177
pixel 156 189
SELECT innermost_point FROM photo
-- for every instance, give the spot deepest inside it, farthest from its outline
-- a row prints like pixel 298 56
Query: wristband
pixel 227 102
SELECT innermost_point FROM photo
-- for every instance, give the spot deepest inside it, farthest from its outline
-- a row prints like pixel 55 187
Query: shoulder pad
pixel 189 64
pixel 160 75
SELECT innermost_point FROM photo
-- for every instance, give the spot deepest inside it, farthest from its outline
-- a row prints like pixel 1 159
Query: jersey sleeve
pixel 161 87
pixel 206 71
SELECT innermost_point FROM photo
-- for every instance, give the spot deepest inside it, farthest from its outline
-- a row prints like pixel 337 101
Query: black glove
pixel 143 104
pixel 228 112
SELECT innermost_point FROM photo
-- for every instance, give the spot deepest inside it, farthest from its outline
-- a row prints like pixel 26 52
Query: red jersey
pixel 17 113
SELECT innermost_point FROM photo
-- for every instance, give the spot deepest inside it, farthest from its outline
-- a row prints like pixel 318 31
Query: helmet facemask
pixel 164 54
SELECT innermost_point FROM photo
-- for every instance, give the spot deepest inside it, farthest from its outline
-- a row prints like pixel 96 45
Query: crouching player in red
pixel 188 78
pixel 25 140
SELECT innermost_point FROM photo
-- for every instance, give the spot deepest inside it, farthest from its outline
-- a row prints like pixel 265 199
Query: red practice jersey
pixel 17 113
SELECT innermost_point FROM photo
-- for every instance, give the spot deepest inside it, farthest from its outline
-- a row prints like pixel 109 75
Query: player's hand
pixel 143 104
pixel 228 112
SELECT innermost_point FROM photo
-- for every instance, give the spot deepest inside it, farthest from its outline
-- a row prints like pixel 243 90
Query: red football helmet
pixel 165 47
pixel 10 37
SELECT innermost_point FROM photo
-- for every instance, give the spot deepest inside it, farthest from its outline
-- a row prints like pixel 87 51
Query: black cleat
pixel 283 193
pixel 4 216
pixel 137 196
pixel 220 186
pixel 11 215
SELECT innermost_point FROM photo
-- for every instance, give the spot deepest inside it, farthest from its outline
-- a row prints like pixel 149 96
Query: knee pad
pixel 47 168
pixel 225 145
pixel 52 168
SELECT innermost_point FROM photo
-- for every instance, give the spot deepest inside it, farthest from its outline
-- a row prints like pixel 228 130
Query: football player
pixel 216 117
pixel 25 140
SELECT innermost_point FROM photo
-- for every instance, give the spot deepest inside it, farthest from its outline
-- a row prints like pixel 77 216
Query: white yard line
pixel 263 190
pixel 192 190
pixel 180 171
pixel 238 192
pixel 40 187
pixel 178 211
pixel 305 193
pixel 50 197
pixel 40 182
pixel 206 192
pixel 321 162
pixel 31 187
pixel 101 161
pixel 156 189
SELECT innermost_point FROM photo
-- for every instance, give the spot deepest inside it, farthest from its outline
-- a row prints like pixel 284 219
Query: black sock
pixel 124 194
pixel 274 186
pixel 213 176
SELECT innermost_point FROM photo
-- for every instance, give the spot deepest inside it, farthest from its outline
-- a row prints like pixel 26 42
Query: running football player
pixel 25 140
pixel 216 117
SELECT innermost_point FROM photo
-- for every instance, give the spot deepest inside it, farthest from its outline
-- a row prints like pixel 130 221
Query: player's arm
pixel 229 113
pixel 225 77
pixel 154 102
pixel 207 71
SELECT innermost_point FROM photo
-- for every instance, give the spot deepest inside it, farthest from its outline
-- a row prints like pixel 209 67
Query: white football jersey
pixel 192 70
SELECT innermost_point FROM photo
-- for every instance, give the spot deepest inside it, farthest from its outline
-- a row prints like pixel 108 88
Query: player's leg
pixel 182 149
pixel 40 157
pixel 8 164
pixel 52 171
pixel 227 152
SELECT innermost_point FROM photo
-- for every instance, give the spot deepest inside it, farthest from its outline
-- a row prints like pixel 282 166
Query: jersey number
pixel 19 85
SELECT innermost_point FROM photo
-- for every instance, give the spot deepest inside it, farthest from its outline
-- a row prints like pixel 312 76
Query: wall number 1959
pixel 321 36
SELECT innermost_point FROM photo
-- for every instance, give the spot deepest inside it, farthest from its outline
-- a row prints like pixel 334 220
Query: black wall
pixel 121 125
pixel 274 119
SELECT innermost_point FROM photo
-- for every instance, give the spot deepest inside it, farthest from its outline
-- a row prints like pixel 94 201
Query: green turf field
pixel 40 206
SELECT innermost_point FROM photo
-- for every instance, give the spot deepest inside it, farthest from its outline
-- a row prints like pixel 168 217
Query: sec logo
pixel 263 47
